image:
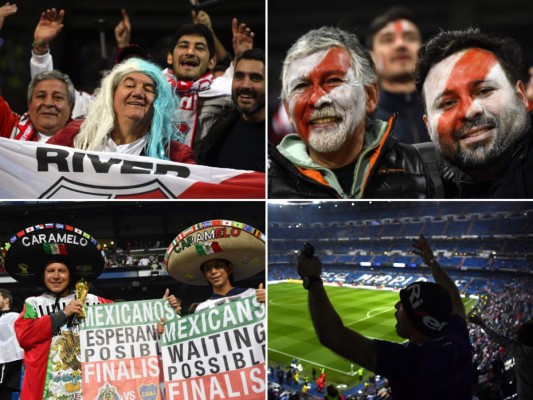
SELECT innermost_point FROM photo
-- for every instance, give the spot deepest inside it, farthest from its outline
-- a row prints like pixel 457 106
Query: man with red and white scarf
pixel 202 99
pixel 50 101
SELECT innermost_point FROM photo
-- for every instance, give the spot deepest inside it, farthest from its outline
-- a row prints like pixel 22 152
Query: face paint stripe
pixel 335 58
pixel 475 64
pixel 399 26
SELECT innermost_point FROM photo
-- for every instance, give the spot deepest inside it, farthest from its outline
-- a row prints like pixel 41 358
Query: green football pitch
pixel 291 334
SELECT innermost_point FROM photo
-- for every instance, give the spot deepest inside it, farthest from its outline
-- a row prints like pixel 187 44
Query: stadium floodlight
pixel 398 265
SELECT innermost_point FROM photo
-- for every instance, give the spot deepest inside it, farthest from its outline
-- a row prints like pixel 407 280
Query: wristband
pixel 40 47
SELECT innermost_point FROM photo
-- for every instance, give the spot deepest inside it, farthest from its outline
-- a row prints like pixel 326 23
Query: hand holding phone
pixel 308 250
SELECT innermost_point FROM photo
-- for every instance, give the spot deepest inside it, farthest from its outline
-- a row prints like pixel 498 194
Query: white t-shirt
pixel 11 350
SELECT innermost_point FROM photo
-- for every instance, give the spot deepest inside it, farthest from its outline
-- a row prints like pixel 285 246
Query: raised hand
pixel 423 249
pixel 48 27
pixel 123 30
pixel 201 17
pixel 174 302
pixel 243 37
pixel 260 293
pixel 5 11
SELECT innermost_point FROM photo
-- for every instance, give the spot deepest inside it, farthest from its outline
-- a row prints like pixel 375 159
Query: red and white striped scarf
pixel 24 130
pixel 188 91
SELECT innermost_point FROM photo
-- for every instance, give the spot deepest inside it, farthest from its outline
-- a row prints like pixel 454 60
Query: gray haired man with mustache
pixel 329 90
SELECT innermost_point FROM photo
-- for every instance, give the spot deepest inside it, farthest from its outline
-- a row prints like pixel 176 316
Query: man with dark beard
pixel 237 139
pixel 394 40
pixel 472 89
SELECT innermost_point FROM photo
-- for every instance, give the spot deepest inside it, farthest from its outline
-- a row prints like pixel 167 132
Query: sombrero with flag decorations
pixel 241 244
pixel 27 251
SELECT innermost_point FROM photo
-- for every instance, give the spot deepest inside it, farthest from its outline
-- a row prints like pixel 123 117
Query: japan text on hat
pixel 428 306
pixel 241 244
pixel 27 252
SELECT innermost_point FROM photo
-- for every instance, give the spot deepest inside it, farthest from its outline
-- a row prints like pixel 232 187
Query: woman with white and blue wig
pixel 133 112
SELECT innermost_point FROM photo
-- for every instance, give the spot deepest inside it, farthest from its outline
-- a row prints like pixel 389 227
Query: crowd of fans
pixel 137 254
pixel 505 308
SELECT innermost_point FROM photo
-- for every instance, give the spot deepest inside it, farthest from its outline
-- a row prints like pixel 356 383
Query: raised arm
pixel 201 17
pixel 5 11
pixel 328 324
pixel 492 334
pixel 123 31
pixel 47 29
pixel 423 249
pixel 243 37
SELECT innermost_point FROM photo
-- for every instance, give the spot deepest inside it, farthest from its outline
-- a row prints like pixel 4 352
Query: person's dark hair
pixel 332 391
pixel 508 52
pixel 228 265
pixel 392 14
pixel 219 68
pixel 525 333
pixel 194 30
pixel 251 54
pixel 6 294
pixel 131 51
pixel 192 308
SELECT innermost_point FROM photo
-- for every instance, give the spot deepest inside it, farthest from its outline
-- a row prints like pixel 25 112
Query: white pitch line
pixel 312 362
pixel 387 309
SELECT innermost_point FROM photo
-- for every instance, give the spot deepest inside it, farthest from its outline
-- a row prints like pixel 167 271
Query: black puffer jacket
pixel 396 172
pixel 514 182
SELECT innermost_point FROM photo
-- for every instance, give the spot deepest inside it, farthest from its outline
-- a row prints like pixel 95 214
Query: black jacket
pixel 397 172
pixel 218 134
pixel 515 182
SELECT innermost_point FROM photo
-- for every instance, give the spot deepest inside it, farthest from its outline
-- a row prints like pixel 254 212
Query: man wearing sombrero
pixel 436 361
pixel 57 256
pixel 218 253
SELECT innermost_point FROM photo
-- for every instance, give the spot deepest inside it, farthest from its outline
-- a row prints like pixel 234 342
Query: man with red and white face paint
pixel 394 40
pixel 329 91
pixel 476 108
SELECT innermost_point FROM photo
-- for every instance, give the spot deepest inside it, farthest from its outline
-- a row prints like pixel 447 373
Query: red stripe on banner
pixel 244 186
pixel 125 376
pixel 153 194
pixel 245 383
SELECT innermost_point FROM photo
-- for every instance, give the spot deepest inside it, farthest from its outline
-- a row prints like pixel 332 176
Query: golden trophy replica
pixel 82 289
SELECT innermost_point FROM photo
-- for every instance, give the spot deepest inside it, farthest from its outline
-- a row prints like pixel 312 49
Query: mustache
pixel 246 92
pixel 326 113
pixel 470 124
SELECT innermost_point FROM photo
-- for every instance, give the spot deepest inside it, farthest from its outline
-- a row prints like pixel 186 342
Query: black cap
pixel 428 306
